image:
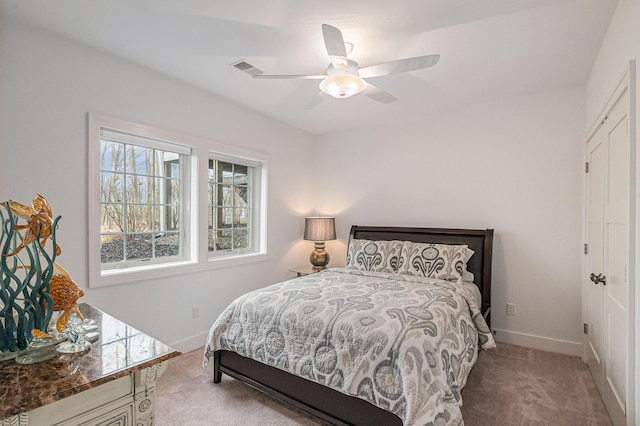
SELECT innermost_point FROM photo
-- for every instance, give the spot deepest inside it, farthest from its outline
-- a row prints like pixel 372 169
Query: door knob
pixel 597 279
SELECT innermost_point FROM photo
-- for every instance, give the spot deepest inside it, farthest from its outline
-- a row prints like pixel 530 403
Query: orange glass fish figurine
pixel 40 334
pixel 38 219
pixel 65 294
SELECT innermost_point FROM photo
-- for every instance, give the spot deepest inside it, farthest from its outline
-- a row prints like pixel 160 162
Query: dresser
pixel 111 384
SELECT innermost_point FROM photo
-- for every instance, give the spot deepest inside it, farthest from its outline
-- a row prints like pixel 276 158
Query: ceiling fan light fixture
pixel 343 86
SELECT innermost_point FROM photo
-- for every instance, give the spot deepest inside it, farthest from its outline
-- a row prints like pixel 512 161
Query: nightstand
pixel 301 271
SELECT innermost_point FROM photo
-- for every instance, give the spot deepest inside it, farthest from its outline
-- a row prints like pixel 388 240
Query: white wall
pixel 620 45
pixel 48 85
pixel 513 165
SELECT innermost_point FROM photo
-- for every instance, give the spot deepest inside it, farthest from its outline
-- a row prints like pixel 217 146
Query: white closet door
pixel 607 205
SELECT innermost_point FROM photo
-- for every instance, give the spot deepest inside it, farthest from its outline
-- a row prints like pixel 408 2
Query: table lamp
pixel 319 230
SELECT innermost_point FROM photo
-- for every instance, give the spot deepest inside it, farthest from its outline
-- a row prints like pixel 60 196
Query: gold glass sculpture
pixel 39 223
pixel 65 294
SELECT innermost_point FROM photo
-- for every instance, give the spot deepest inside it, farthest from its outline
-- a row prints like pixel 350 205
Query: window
pixel 146 201
pixel 142 183
pixel 233 206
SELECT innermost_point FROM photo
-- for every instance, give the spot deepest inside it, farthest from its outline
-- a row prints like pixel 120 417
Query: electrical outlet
pixel 511 308
pixel 196 312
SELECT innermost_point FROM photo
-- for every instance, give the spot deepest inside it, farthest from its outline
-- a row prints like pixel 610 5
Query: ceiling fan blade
pixel 401 65
pixel 285 76
pixel 335 46
pixel 377 94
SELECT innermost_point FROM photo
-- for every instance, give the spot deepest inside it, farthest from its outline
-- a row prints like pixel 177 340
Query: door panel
pixel 595 255
pixel 615 373
pixel 616 259
pixel 617 288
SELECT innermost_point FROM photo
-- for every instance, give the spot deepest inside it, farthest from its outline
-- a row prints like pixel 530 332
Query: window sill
pixel 147 272
pixel 224 261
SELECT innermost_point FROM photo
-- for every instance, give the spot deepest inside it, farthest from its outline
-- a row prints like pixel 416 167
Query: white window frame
pixel 258 187
pixel 195 249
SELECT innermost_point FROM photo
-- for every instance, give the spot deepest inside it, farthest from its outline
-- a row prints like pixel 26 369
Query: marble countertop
pixel 120 351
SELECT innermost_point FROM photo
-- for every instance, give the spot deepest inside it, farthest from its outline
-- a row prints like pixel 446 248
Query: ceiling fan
pixel 343 78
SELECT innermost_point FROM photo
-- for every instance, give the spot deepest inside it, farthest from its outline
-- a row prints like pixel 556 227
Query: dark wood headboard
pixel 478 240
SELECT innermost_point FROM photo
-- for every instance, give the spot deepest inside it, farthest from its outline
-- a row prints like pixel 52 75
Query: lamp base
pixel 319 257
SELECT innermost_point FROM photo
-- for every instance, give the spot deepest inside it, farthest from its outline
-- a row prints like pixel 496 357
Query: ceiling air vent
pixel 248 68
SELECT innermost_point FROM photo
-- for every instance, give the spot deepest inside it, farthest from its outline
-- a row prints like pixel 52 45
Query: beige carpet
pixel 509 385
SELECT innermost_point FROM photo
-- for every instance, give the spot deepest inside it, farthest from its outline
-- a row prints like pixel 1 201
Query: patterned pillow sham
pixel 441 261
pixel 374 256
pixel 466 275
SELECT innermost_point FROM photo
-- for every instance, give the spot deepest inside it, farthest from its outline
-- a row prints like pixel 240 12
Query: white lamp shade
pixel 319 228
pixel 342 86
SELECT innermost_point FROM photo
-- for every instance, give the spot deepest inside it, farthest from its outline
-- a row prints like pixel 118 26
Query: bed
pixel 363 373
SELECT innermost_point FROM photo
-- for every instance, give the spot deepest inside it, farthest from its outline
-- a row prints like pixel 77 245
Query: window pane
pixel 111 249
pixel 241 174
pixel 216 195
pixel 173 218
pixel 227 217
pixel 139 189
pixel 112 218
pixel 241 196
pixel 166 218
pixel 111 156
pixel 175 170
pixel 240 217
pixel 168 164
pixel 157 223
pixel 139 246
pixel 158 191
pixel 225 195
pixel 212 194
pixel 223 240
pixel 225 172
pixel 167 244
pixel 139 218
pixel 173 194
pixel 212 170
pixel 212 241
pixel 240 238
pixel 111 187
pixel 139 160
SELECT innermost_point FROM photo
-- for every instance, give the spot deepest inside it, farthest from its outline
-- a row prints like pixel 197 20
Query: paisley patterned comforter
pixel 403 343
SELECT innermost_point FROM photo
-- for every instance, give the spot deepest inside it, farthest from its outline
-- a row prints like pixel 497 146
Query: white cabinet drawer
pixel 70 410
pixel 121 416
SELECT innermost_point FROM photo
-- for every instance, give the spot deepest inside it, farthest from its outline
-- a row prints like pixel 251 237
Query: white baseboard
pixel 538 342
pixel 192 343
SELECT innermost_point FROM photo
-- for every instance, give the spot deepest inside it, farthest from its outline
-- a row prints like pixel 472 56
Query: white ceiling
pixel 489 49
